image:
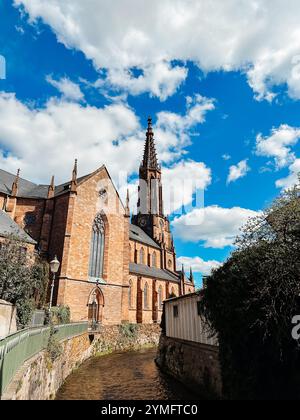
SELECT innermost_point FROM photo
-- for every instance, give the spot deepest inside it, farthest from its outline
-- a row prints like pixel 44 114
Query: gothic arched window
pixel 160 297
pixel 142 256
pixel 146 296
pixel 154 260
pixel 97 248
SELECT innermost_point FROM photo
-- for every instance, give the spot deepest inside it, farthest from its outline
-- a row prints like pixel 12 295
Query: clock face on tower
pixel 143 221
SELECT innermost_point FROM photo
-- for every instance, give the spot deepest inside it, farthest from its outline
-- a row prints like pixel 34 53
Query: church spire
pixel 15 185
pixel 150 156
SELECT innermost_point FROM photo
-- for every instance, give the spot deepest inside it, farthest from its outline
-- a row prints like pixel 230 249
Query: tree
pixel 250 302
pixel 23 277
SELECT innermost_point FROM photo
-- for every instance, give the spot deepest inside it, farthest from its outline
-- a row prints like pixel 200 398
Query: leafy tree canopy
pixel 250 302
pixel 23 279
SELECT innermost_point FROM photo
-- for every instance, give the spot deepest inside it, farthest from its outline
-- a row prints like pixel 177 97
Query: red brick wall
pixel 32 207
pixel 82 211
pixel 147 315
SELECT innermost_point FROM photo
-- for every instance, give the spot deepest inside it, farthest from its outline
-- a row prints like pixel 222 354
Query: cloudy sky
pixel 221 79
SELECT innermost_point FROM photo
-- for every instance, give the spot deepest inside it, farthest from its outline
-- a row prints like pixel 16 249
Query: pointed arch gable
pixel 98 293
pixel 95 306
pixel 103 168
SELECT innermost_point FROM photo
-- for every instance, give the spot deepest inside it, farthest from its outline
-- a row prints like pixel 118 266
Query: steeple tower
pixel 150 191
pixel 150 213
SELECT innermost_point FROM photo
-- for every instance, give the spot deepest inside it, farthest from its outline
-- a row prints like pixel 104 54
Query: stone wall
pixel 195 365
pixel 8 324
pixel 40 378
pixel 126 337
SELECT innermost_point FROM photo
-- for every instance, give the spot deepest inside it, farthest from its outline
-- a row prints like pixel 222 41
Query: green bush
pixel 54 348
pixel 60 315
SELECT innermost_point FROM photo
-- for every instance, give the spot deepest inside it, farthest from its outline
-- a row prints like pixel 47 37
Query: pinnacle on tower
pixel 51 189
pixel 74 177
pixel 191 276
pixel 150 157
pixel 127 208
pixel 15 185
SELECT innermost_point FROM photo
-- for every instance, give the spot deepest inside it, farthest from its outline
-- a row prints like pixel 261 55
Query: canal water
pixel 122 376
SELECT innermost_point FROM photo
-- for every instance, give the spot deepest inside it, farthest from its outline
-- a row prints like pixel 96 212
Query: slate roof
pixel 27 189
pixel 9 227
pixel 144 270
pixel 137 234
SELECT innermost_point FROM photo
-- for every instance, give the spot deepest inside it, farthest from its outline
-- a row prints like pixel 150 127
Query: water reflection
pixel 122 376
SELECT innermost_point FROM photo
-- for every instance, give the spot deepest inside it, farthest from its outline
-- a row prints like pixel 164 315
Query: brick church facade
pixel 113 269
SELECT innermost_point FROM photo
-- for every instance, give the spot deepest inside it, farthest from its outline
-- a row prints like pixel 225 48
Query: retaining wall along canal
pixel 40 377
pixel 196 365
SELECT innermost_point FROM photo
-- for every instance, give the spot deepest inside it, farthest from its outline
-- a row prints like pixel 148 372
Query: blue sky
pixel 82 82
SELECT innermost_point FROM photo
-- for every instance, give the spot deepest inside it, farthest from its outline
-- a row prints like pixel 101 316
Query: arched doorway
pixel 95 308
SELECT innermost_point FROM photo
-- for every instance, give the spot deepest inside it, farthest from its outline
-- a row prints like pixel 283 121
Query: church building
pixel 113 269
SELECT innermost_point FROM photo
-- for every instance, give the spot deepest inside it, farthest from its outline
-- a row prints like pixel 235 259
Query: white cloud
pixel 70 91
pixel 292 179
pixel 182 181
pixel 174 130
pixel 46 140
pixel 199 265
pixel 160 79
pixel 226 157
pixel 261 38
pixel 238 171
pixel 279 144
pixel 217 227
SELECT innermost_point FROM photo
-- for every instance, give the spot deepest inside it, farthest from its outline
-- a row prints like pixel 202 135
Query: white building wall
pixel 188 325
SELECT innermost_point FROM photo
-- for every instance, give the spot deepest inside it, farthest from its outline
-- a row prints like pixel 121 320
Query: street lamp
pixel 54 267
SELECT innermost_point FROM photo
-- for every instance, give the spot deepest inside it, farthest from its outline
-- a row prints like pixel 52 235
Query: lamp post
pixel 54 267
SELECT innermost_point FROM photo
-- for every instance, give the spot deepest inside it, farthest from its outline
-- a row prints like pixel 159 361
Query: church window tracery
pixel 97 248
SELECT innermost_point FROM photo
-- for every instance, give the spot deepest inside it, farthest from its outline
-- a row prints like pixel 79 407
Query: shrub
pixel 20 280
pixel 54 348
pixel 60 315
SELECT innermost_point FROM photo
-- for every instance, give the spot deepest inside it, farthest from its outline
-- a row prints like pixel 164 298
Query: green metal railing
pixel 21 346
